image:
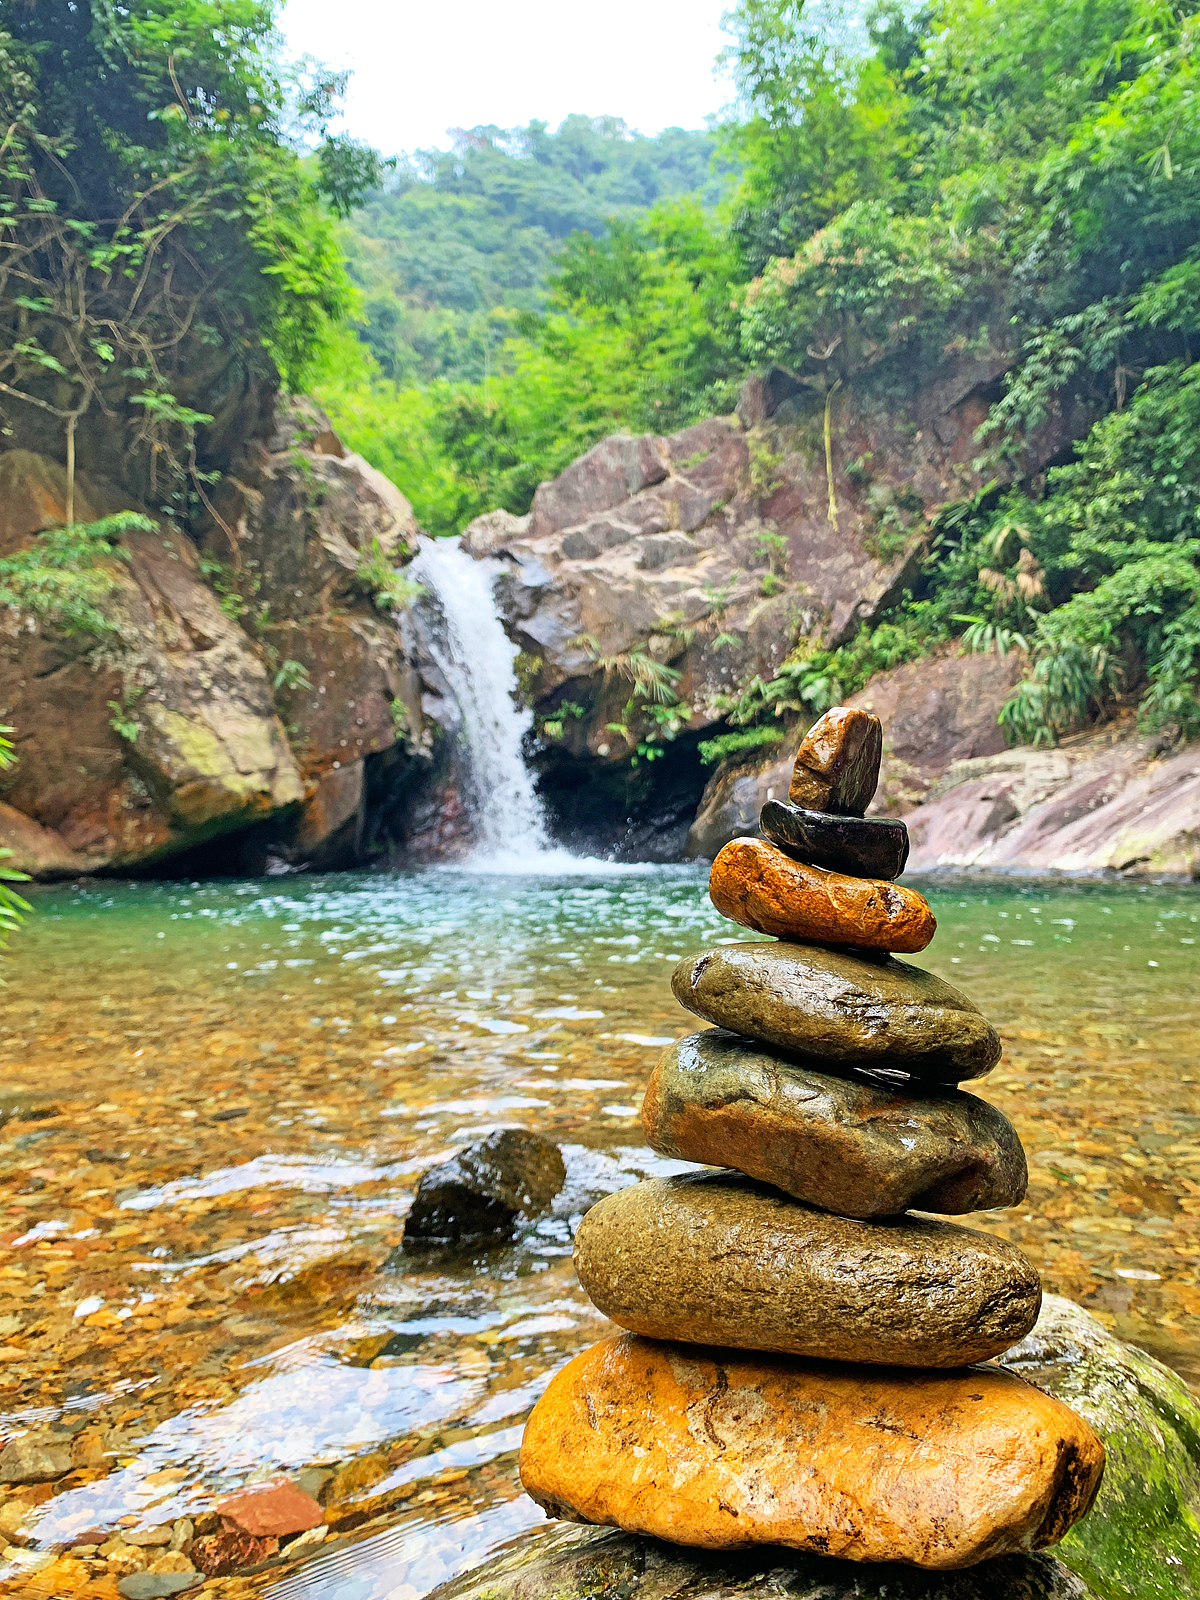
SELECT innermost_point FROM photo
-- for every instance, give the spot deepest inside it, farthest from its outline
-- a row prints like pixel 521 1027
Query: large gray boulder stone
pixel 1141 1540
pixel 1107 802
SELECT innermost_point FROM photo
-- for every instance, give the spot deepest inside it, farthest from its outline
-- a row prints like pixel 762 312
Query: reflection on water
pixel 222 1096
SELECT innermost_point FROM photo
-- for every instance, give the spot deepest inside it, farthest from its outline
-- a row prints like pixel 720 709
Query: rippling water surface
pixel 222 1096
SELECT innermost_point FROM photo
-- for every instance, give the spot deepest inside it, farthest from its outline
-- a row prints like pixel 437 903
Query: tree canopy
pixel 166 205
pixel 909 180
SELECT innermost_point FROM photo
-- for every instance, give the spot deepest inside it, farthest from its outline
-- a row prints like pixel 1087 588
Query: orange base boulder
pixel 709 1448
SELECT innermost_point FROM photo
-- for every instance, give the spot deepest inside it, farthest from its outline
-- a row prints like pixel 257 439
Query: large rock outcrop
pixel 161 736
pixel 713 551
pixel 656 577
pixel 304 531
pixel 243 681
pixel 935 712
pixel 266 692
pixel 1107 801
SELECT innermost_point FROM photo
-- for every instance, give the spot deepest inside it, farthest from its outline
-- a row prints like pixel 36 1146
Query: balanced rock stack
pixel 799 1366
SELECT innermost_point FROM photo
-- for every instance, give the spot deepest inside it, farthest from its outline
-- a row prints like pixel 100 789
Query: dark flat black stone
pixel 865 847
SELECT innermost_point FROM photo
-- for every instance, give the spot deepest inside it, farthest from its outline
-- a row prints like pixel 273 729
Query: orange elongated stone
pixel 754 883
pixel 709 1448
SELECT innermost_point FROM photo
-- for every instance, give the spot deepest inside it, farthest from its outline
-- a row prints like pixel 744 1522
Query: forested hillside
pixel 1008 184
pixel 1016 181
pixel 459 243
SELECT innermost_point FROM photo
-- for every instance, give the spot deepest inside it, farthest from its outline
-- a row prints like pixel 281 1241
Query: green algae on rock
pixel 1142 1538
pixel 834 1007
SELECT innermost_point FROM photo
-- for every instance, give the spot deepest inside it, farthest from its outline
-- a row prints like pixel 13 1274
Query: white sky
pixel 421 67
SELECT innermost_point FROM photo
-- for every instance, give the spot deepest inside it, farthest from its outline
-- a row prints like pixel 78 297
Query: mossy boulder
pixel 1141 1540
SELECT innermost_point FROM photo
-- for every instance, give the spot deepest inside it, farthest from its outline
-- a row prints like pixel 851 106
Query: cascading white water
pixel 476 658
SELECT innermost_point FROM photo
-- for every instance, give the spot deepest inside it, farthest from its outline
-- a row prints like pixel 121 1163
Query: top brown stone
pixel 837 766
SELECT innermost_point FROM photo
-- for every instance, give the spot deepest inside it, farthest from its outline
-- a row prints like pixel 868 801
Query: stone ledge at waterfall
pixel 688 552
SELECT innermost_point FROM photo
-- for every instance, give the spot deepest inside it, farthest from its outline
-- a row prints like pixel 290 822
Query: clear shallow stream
pixel 199 1280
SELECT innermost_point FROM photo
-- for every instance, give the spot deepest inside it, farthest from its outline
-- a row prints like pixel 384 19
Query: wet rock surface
pixel 722 1450
pixel 717 1259
pixel 843 1142
pixel 34 1458
pixel 156 1585
pixel 1109 802
pixel 271 1509
pixel 936 711
pixel 601 1564
pixel 866 847
pixel 1143 1537
pixel 480 1192
pixel 753 882
pixel 832 1006
pixel 837 764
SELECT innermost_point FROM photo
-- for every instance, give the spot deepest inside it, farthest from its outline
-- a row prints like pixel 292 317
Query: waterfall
pixel 476 658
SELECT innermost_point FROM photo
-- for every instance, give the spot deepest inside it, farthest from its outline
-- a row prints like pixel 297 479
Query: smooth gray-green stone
pixel 713 1258
pixel 842 1142
pixel 574 1563
pixel 828 1006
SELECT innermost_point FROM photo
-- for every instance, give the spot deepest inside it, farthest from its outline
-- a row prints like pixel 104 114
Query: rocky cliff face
pixel 655 576
pixel 1106 801
pixel 244 682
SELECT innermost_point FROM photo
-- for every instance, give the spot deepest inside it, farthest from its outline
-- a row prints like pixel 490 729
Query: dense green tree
pixel 461 240
pixel 163 232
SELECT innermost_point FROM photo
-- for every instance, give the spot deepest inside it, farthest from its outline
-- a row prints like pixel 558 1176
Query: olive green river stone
pixel 717 1259
pixel 572 1563
pixel 831 1006
pixel 843 1143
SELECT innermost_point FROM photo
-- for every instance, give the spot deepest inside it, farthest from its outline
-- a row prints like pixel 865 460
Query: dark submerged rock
pixel 600 1564
pixel 716 1259
pixel 831 1007
pixel 480 1192
pixel 864 847
pixel 840 1142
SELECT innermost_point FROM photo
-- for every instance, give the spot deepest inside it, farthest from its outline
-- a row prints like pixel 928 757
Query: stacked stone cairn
pixel 802 1365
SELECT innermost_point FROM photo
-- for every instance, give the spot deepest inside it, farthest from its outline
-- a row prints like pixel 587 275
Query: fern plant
pixel 984 636
pixel 13 907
